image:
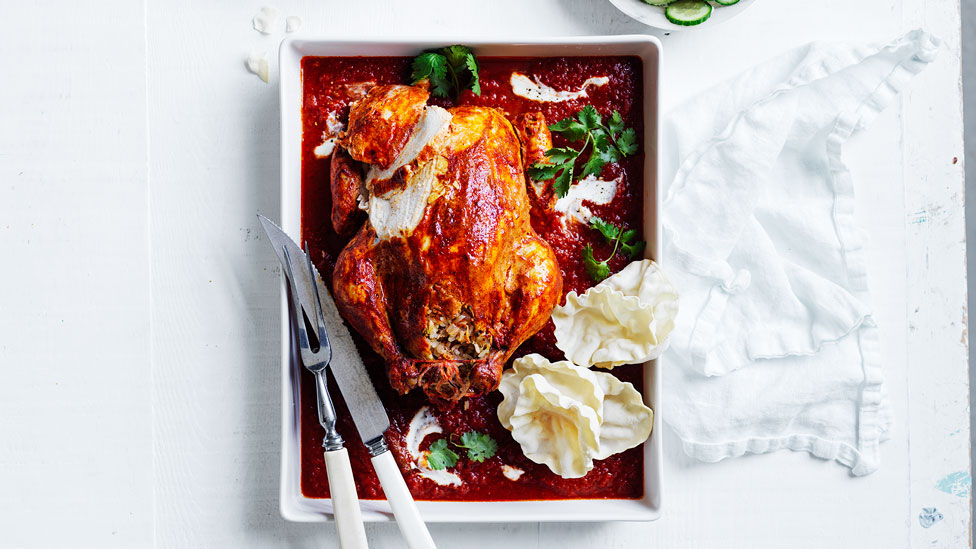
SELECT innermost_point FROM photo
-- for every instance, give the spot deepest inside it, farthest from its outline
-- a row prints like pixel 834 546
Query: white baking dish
pixel 294 506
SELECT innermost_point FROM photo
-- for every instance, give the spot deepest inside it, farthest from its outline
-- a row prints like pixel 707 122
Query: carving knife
pixel 316 355
pixel 364 404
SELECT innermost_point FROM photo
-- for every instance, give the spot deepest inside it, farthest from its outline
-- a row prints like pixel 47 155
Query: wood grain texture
pixel 75 428
pixel 937 311
pixel 192 461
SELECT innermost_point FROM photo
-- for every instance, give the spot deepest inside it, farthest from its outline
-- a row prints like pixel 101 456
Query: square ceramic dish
pixel 294 505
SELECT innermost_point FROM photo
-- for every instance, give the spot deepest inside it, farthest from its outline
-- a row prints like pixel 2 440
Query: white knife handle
pixel 404 509
pixel 345 500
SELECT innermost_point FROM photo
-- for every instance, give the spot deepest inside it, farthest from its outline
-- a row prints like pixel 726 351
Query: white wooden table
pixel 138 305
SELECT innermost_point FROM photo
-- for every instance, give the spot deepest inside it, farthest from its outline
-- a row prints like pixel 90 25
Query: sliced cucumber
pixel 688 12
pixel 659 2
pixel 726 2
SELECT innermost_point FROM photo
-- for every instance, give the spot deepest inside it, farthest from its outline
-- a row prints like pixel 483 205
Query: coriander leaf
pixel 440 456
pixel 575 133
pixel 562 125
pixel 571 129
pixel 594 165
pixel 544 172
pixel 460 60
pixel 589 117
pixel 423 66
pixel 627 142
pixel 604 148
pixel 610 155
pixel 630 245
pixel 563 180
pixel 441 87
pixel 479 446
pixel 428 65
pixel 433 67
pixel 616 124
pixel 634 250
pixel 560 155
pixel 608 230
pixel 600 139
pixel 472 65
pixel 598 270
pixel 457 55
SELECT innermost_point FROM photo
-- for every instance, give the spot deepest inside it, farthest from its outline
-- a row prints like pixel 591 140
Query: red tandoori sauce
pixel 329 85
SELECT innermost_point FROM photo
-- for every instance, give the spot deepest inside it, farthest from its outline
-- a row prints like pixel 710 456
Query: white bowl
pixel 654 15
pixel 297 507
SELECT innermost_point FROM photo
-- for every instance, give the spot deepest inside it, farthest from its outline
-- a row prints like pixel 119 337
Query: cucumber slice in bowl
pixel 726 2
pixel 688 12
pixel 660 2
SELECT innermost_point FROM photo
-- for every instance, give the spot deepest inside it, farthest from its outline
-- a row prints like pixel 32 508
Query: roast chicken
pixel 444 276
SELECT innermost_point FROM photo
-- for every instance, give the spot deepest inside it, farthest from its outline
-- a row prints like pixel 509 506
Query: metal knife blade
pixel 280 241
pixel 350 374
pixel 347 366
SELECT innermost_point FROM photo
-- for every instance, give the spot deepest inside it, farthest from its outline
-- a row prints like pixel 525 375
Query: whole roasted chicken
pixel 444 277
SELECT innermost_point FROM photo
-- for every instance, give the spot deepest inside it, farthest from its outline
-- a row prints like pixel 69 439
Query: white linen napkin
pixel 775 346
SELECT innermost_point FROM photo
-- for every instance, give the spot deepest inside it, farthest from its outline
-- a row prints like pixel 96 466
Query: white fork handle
pixel 345 500
pixel 404 509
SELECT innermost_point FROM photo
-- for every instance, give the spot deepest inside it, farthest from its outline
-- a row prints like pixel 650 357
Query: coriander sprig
pixel 449 70
pixel 440 456
pixel 479 446
pixel 608 144
pixel 626 241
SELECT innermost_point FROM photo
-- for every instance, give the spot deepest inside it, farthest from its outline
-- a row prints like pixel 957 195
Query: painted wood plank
pixel 75 428
pixel 937 300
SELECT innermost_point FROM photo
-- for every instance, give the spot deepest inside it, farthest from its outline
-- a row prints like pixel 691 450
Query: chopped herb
pixel 449 70
pixel 630 245
pixel 479 446
pixel 598 270
pixel 440 456
pixel 608 230
pixel 626 241
pixel 432 66
pixel 608 144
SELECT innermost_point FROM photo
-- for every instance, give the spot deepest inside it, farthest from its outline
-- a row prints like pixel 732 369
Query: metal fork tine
pixel 322 357
pixel 325 349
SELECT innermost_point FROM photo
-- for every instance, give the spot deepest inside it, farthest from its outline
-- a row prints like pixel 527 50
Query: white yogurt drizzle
pixel 423 424
pixel 332 128
pixel 589 189
pixel 535 90
pixel 327 146
pixel 512 473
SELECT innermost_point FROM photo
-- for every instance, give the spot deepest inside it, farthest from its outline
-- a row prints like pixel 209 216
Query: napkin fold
pixel 775 346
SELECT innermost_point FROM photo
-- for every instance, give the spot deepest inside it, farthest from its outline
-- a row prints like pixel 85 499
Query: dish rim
pixel 294 506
